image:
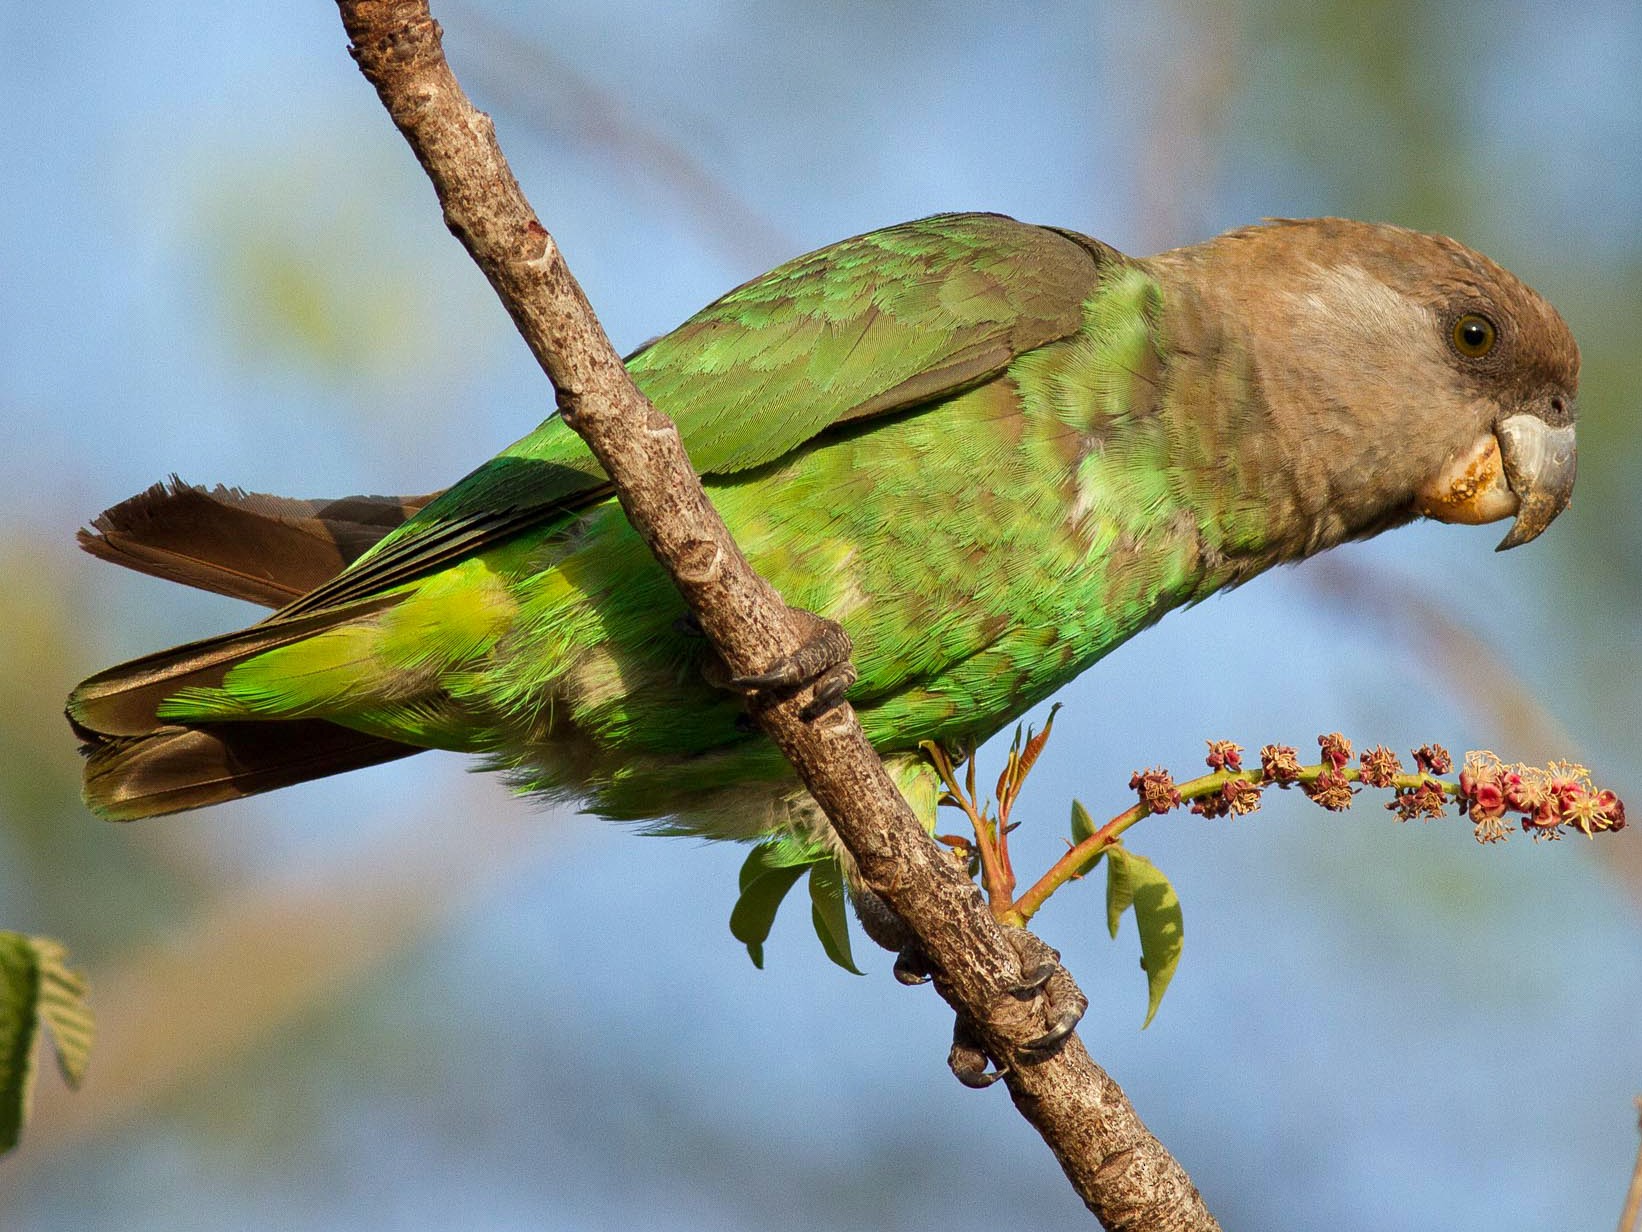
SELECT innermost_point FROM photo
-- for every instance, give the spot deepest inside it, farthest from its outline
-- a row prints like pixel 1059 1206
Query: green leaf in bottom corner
pixel 763 885
pixel 828 914
pixel 1134 881
pixel 36 986
pixel 63 1007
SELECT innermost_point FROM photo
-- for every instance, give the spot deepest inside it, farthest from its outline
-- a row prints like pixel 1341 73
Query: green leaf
pixel 1120 890
pixel 1083 827
pixel 763 886
pixel 828 914
pixel 36 986
pixel 63 1007
pixel 1135 881
pixel 19 1024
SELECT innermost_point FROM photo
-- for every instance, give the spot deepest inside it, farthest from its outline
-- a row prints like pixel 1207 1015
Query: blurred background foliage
pixel 403 999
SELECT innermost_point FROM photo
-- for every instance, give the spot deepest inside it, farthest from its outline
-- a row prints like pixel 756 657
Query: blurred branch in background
pixel 1632 1211
pixel 1179 155
pixel 522 75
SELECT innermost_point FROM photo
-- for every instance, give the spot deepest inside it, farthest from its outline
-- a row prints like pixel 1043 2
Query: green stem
pixel 995 877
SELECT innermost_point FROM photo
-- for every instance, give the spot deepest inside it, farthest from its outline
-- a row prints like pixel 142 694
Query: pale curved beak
pixel 1540 464
pixel 1524 467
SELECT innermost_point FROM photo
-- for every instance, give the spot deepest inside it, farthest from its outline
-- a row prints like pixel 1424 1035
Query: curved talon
pixel 783 673
pixel 1065 1021
pixel 976 1077
pixel 830 690
pixel 910 968
pixel 1033 981
pixel 825 648
pixel 968 1060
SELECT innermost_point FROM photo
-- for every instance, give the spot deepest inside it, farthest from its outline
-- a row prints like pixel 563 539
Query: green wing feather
pixel 866 327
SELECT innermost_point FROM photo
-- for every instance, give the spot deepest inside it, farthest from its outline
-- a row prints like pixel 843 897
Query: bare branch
pixel 1632 1211
pixel 1122 1172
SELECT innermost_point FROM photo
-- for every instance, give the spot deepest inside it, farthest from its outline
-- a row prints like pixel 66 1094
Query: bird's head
pixel 1416 369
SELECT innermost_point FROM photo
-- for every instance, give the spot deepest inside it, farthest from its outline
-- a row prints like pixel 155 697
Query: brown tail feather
pixel 171 769
pixel 267 549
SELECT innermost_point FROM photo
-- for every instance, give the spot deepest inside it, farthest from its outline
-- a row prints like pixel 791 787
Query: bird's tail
pixel 269 550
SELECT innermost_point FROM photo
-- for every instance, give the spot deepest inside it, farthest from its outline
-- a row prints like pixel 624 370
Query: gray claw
pixel 910 968
pixel 830 690
pixel 1065 1021
pixel 973 1073
pixel 1033 981
pixel 782 674
pixel 968 1060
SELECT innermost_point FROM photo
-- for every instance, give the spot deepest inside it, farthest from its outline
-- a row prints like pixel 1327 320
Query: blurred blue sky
pixel 429 1004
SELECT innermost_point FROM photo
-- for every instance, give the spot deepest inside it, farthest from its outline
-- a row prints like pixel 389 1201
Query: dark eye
pixel 1474 335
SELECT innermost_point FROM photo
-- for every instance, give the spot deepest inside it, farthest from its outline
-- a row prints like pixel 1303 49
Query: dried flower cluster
pixel 1235 797
pixel 1380 767
pixel 1279 763
pixel 1156 789
pixel 1426 798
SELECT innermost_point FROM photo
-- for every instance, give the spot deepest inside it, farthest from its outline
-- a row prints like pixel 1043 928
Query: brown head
pixel 1410 374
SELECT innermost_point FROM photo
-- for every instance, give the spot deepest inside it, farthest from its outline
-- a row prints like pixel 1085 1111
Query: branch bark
pixel 1122 1172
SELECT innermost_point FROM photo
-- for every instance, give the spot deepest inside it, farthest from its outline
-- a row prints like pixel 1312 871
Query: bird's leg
pixel 968 1060
pixel 885 927
pixel 822 659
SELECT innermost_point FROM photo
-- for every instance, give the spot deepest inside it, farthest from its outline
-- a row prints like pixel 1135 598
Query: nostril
pixel 1558 405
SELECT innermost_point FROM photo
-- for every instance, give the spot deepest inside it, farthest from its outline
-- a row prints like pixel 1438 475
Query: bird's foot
pixel 1042 975
pixel 822 659
pixel 968 1060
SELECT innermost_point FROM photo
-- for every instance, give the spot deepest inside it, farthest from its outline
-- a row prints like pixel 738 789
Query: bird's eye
pixel 1474 335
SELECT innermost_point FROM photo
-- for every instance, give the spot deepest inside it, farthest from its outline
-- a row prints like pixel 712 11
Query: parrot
pixel 990 451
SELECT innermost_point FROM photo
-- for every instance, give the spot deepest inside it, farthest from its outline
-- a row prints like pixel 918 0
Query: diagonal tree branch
pixel 1125 1176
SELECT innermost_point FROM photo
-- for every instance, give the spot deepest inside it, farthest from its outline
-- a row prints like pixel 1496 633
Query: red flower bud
pixel 1336 749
